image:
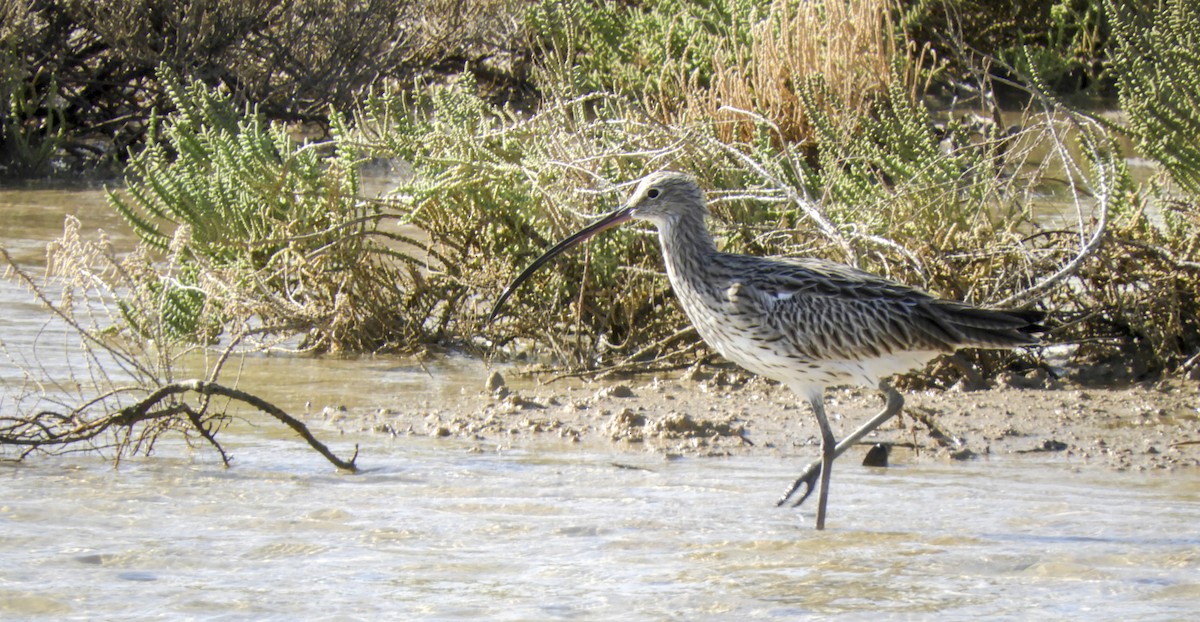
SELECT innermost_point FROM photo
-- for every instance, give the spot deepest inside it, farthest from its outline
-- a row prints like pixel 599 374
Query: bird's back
pixel 818 323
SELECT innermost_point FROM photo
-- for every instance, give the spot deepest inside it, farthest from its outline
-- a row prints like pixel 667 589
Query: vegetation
pixel 1151 271
pixel 1157 63
pixel 79 79
pixel 279 222
pixel 878 134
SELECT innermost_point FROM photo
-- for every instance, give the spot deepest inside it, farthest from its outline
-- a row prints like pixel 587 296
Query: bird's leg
pixel 808 479
pixel 828 453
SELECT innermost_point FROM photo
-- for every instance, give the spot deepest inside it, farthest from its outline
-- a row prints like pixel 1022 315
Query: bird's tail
pixel 994 328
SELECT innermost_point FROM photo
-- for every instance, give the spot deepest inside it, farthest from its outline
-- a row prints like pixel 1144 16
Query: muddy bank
pixel 720 413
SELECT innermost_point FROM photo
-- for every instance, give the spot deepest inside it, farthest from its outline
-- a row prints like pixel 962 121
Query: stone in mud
pixel 626 425
pixel 678 425
pixel 618 390
pixel 877 456
pixel 495 385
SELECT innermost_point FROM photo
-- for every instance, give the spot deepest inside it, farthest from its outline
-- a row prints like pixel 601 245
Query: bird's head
pixel 664 198
pixel 661 198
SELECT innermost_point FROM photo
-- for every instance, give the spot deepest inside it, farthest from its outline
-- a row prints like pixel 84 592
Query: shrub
pixel 277 221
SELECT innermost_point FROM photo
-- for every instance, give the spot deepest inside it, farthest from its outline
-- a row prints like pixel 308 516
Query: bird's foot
pixel 807 481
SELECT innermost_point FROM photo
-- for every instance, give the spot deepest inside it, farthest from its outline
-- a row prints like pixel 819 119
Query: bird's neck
pixel 687 245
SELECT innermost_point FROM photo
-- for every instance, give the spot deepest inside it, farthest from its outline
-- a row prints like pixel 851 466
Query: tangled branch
pixel 48 430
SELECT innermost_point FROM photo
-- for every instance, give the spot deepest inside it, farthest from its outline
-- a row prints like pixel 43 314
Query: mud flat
pixel 1147 426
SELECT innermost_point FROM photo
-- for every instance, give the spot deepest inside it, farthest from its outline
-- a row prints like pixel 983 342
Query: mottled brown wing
pixel 831 311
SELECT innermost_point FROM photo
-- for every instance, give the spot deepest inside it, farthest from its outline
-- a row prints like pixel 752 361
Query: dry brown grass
pixel 849 45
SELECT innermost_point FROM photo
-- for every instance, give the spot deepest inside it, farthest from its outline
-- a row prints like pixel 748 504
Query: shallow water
pixel 432 530
pixel 32 216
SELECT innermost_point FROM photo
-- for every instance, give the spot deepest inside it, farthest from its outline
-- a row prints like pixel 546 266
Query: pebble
pixel 495 385
pixel 617 390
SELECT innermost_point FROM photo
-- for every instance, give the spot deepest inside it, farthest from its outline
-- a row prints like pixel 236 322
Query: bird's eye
pixel 652 193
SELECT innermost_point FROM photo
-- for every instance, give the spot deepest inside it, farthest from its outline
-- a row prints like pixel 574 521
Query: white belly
pixel 764 359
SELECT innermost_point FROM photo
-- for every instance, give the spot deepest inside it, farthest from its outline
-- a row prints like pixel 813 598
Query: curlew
pixel 807 323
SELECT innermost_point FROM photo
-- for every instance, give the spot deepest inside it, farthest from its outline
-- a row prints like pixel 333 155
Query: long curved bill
pixel 608 222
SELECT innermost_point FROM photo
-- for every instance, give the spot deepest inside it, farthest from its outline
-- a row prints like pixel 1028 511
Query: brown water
pixel 434 530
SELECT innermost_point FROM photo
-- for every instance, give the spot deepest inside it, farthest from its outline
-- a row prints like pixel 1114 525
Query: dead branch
pixel 46 430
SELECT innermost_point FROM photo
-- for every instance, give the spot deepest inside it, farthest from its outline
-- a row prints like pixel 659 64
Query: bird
pixel 808 323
